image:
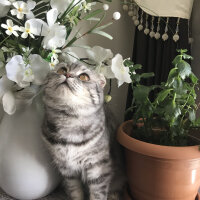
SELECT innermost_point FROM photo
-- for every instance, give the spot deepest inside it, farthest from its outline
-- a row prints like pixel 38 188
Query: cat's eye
pixel 84 77
pixel 62 71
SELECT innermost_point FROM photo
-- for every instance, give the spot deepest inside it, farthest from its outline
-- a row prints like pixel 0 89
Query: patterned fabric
pixel 56 195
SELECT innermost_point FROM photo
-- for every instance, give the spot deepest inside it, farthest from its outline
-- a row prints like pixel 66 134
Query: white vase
pixel 26 169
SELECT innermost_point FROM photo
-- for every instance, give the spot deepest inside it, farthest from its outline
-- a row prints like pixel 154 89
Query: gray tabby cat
pixel 77 136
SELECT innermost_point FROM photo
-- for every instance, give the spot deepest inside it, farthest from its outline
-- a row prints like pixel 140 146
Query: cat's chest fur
pixel 81 139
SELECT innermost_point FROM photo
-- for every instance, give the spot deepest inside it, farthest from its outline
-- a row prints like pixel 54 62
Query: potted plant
pixel 162 155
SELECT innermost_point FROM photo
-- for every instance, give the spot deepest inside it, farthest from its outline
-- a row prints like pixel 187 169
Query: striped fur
pixel 76 134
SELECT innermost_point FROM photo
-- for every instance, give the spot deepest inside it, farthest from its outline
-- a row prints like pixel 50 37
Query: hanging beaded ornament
pixel 140 27
pixel 152 33
pixel 136 21
pixel 146 30
pixel 190 38
pixel 131 8
pixel 165 35
pixel 176 36
pixel 157 35
pixel 125 6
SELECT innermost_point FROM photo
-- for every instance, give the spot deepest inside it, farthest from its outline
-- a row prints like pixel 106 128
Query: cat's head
pixel 74 86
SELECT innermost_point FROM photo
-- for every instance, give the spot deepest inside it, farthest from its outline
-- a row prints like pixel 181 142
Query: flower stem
pixel 4 40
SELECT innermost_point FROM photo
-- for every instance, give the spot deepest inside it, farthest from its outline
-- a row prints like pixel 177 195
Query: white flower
pixel 22 8
pixel 120 71
pixel 6 96
pixel 102 59
pixel 26 31
pixel 11 29
pixel 62 5
pixel 23 74
pixel 54 34
pixel 87 6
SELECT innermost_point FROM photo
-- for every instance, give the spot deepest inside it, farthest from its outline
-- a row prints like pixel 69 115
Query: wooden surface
pixel 56 195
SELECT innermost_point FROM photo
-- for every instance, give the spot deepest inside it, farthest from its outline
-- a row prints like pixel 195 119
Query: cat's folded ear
pixel 102 80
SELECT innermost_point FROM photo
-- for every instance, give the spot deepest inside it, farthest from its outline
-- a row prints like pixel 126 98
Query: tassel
pixel 140 27
pixel 157 35
pixel 131 7
pixel 165 35
pixel 125 6
pixel 146 30
pixel 136 21
pixel 152 33
pixel 176 36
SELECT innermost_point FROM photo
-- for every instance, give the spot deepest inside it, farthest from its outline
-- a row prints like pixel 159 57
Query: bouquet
pixel 36 35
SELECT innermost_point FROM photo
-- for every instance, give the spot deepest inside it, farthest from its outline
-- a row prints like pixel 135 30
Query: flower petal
pixel 40 68
pixel 30 15
pixel 4 26
pixel 24 35
pixel 120 71
pixel 14 12
pixel 9 22
pixel 38 27
pixel 52 16
pixel 99 54
pixel 60 5
pixel 55 38
pixel 15 69
pixel 9 103
pixel 31 4
pixel 5 85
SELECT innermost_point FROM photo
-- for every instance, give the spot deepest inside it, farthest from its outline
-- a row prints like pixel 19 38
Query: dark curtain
pixel 157 55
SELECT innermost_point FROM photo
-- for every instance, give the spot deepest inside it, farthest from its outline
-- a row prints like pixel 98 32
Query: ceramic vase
pixel 26 168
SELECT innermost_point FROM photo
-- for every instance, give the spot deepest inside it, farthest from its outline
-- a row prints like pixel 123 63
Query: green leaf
pixel 141 93
pixel 104 26
pixel 2 58
pixel 102 33
pixel 147 75
pixel 128 63
pixel 182 50
pixel 194 78
pixel 188 57
pixel 184 69
pixel 162 95
pixel 192 115
pixel 93 14
pixel 137 66
pixel 177 59
pixel 172 74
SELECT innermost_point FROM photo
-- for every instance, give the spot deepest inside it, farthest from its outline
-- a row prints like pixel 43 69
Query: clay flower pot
pixel 158 172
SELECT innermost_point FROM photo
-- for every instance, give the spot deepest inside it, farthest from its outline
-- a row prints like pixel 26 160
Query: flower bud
pixel 116 15
pixel 105 6
pixel 108 98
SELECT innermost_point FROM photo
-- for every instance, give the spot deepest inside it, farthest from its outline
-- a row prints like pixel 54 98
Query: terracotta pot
pixel 160 172
pixel 127 197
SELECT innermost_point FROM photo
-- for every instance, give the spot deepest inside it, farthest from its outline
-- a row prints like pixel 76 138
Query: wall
pixel 196 43
pixel 123 33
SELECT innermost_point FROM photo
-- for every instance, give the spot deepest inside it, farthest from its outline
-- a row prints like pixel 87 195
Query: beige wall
pixel 196 43
pixel 123 33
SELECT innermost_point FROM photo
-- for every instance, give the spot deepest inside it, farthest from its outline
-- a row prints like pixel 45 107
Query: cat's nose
pixel 68 75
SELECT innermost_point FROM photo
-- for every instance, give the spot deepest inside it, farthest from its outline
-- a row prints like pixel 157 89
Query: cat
pixel 78 136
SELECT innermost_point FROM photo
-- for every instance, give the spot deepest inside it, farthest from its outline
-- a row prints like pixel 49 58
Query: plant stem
pixel 4 40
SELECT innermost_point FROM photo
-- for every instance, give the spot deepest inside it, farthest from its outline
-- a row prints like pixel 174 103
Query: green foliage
pixel 172 111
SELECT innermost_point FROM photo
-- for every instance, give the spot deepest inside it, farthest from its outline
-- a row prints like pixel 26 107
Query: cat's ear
pixel 102 80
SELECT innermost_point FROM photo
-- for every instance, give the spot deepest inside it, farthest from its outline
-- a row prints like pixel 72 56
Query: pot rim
pixel 154 150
